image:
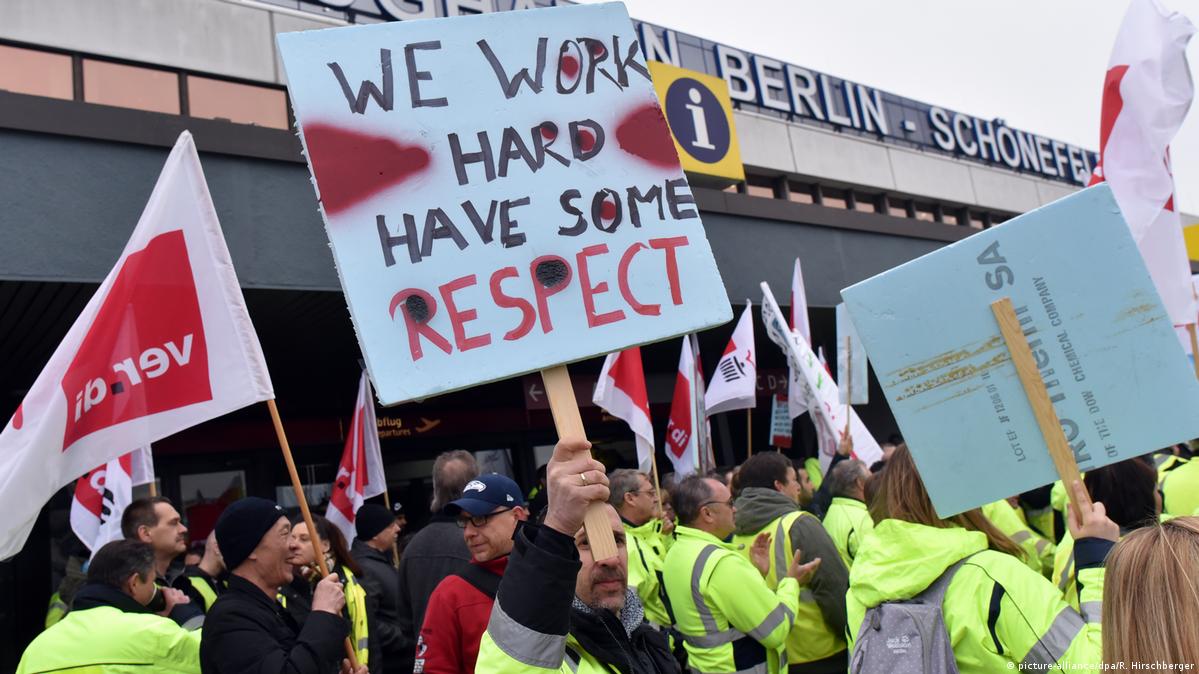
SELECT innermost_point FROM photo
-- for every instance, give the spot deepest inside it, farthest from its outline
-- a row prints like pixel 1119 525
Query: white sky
pixel 1038 64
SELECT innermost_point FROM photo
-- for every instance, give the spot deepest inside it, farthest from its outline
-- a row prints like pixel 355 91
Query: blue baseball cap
pixel 485 493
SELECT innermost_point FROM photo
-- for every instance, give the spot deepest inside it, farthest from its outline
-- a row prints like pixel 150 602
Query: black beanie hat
pixel 371 519
pixel 241 527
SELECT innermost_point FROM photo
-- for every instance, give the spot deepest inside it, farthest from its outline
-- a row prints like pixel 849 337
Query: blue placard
pixel 1103 343
pixel 501 192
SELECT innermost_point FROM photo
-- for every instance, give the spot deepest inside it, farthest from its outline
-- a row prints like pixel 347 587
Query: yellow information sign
pixel 700 115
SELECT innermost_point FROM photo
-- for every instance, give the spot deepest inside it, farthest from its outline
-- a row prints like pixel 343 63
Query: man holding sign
pixel 558 608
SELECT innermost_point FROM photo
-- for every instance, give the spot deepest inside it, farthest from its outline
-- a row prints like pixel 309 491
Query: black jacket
pixel 381 580
pixel 435 552
pixel 248 632
pixel 92 595
pixel 537 592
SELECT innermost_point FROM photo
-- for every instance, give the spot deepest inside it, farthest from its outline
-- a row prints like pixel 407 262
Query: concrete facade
pixel 235 38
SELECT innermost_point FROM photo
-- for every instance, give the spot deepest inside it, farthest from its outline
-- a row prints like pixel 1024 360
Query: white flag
pixel 735 384
pixel 620 391
pixel 102 494
pixel 682 436
pixel 1146 94
pixel 164 344
pixel 813 381
pixel 360 473
pixel 796 403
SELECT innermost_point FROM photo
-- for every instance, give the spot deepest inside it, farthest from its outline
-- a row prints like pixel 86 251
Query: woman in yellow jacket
pixel 999 613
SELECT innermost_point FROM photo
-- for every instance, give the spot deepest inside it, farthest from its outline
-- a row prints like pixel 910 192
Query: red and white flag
pixel 682 432
pixel 735 383
pixel 1146 94
pixel 620 391
pixel 360 474
pixel 797 404
pixel 103 493
pixel 164 344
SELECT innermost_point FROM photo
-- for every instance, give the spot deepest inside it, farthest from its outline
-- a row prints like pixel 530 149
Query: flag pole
pixel 303 501
pixel 749 432
pixel 653 458
pixel 848 384
pixel 153 487
pixel 1194 347
pixel 565 409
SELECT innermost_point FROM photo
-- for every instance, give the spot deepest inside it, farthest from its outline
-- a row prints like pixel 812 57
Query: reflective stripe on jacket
pixel 356 607
pixel 1000 614
pixel 730 619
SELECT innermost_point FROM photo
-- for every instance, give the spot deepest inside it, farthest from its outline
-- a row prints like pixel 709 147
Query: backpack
pixel 907 637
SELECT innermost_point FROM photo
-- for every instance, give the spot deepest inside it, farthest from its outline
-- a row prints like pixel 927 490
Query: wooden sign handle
pixel 1038 397
pixel 569 424
pixel 303 501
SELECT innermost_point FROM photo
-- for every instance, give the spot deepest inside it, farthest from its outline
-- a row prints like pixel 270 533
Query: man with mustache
pixel 558 609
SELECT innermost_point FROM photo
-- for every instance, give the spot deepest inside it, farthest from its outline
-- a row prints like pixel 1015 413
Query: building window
pixel 800 193
pixel 130 87
pixel 240 103
pixel 897 208
pixel 37 73
pixel 732 189
pixel 759 186
pixel 834 198
pixel 949 217
pixel 866 203
pixel 976 220
pixel 926 212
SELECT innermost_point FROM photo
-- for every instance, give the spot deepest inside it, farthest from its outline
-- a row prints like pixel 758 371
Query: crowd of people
pixel 766 567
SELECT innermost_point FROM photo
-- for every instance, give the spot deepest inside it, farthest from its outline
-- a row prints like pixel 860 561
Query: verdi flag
pixel 682 432
pixel 164 344
pixel 620 391
pixel 734 385
pixel 103 493
pixel 1146 95
pixel 360 473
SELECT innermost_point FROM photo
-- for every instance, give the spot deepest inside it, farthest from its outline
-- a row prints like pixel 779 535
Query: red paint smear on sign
pixel 643 133
pixel 586 140
pixel 570 66
pixel 350 167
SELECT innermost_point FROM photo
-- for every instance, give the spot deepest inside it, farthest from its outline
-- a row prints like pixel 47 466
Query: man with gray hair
pixel 848 520
pixel 635 500
pixel 436 551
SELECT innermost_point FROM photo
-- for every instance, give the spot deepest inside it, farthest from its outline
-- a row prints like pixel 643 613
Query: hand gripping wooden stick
pixel 303 501
pixel 569 424
pixel 1038 397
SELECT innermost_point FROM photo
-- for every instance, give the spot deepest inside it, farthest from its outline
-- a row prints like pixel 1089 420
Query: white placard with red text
pixel 501 192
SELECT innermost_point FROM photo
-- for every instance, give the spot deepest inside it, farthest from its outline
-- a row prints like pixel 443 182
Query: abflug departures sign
pixel 788 91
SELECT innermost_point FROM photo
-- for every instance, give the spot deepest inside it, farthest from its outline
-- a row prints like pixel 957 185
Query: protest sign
pixel 1099 336
pixel 501 192
pixel 852 383
pixel 780 422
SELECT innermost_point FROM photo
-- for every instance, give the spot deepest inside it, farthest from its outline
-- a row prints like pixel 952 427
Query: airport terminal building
pixel 851 179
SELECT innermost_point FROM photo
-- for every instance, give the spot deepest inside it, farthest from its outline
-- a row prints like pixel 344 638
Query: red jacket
pixel 455 621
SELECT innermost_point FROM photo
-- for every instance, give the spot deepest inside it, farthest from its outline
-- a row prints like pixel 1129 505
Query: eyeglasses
pixel 479 520
pixel 647 492
pixel 728 503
